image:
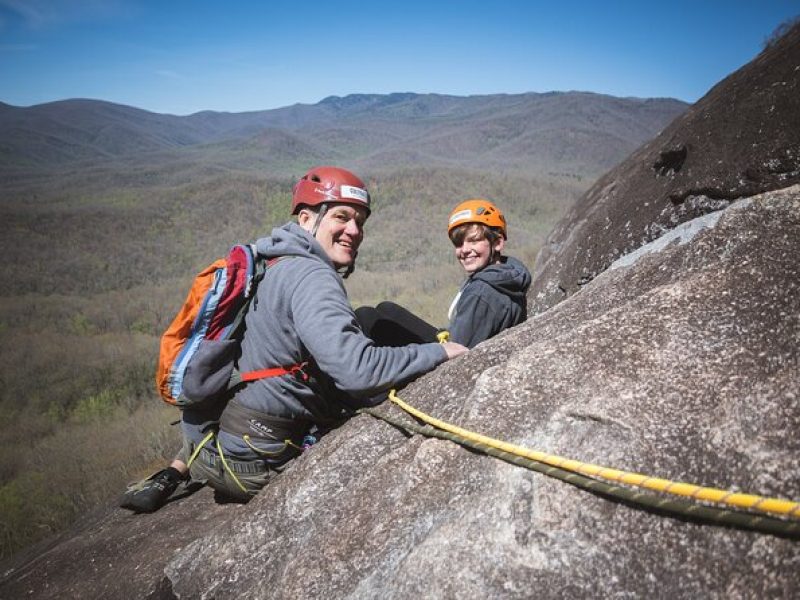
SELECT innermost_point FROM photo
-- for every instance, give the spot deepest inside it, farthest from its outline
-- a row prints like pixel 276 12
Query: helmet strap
pixel 323 208
pixel 494 255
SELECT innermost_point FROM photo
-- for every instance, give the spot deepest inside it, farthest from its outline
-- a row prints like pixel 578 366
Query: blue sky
pixel 183 56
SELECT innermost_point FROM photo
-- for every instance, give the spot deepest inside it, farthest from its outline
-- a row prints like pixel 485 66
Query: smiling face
pixel 340 231
pixel 474 251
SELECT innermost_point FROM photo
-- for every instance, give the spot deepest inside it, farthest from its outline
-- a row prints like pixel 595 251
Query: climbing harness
pixel 586 475
pixel 286 444
pixel 212 435
pixel 199 447
pixel 308 441
pixel 227 467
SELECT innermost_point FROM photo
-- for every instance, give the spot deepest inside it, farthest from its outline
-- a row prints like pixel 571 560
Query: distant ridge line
pixel 572 131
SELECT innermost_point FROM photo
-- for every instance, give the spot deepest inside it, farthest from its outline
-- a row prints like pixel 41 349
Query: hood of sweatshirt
pixel 291 240
pixel 509 277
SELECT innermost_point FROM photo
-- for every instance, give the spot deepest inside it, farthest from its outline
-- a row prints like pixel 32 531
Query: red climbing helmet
pixel 323 185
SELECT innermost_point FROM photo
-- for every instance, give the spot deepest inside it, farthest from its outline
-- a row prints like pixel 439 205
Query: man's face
pixel 476 251
pixel 340 233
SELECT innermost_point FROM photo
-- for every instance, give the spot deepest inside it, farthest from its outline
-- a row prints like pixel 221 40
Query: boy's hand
pixel 454 349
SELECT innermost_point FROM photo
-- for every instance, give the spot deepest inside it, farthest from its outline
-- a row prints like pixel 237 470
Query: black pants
pixel 389 324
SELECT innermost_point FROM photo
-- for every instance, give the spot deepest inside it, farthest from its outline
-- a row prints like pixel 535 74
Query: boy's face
pixel 476 251
pixel 340 232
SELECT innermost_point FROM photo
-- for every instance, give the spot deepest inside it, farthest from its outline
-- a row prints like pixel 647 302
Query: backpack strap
pixel 261 266
pixel 297 370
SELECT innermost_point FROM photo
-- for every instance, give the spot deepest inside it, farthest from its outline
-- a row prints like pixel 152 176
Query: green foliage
pixel 30 509
pixel 81 325
pixel 78 465
pixel 55 412
pixel 95 407
pixel 143 326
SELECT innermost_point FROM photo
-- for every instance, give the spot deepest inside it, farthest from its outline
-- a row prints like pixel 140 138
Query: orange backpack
pixel 200 349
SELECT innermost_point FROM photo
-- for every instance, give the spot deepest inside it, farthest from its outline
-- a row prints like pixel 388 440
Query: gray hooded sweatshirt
pixel 301 313
pixel 490 301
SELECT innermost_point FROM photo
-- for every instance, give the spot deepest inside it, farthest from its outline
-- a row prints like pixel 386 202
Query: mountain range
pixel 556 132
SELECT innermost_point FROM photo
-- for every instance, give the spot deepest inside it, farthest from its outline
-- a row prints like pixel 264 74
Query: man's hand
pixel 454 349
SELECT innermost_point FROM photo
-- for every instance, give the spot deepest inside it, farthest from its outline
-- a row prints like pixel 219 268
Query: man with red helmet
pixel 316 191
pixel 300 316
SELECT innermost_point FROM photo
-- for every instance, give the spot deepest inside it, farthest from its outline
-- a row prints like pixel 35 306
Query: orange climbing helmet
pixel 324 185
pixel 477 211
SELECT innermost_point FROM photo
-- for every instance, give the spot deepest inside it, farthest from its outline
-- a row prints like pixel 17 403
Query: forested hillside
pixel 106 212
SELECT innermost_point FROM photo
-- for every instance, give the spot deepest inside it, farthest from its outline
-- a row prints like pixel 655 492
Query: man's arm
pixel 327 326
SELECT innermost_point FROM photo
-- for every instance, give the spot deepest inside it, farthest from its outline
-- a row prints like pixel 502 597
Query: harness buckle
pixel 299 372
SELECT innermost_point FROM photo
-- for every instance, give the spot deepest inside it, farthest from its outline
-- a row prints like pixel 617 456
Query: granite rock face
pixel 740 139
pixel 111 553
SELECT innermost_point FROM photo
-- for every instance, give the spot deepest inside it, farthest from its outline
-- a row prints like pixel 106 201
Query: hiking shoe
pixel 150 494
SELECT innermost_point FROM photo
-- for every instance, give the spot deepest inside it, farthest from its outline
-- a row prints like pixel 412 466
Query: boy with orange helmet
pixel 491 299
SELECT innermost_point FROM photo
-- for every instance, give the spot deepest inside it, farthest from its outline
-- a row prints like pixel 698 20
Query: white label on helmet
pixel 460 216
pixel 327 194
pixel 354 193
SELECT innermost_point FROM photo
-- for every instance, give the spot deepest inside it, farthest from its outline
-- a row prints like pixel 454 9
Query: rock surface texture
pixel 679 360
pixel 741 138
